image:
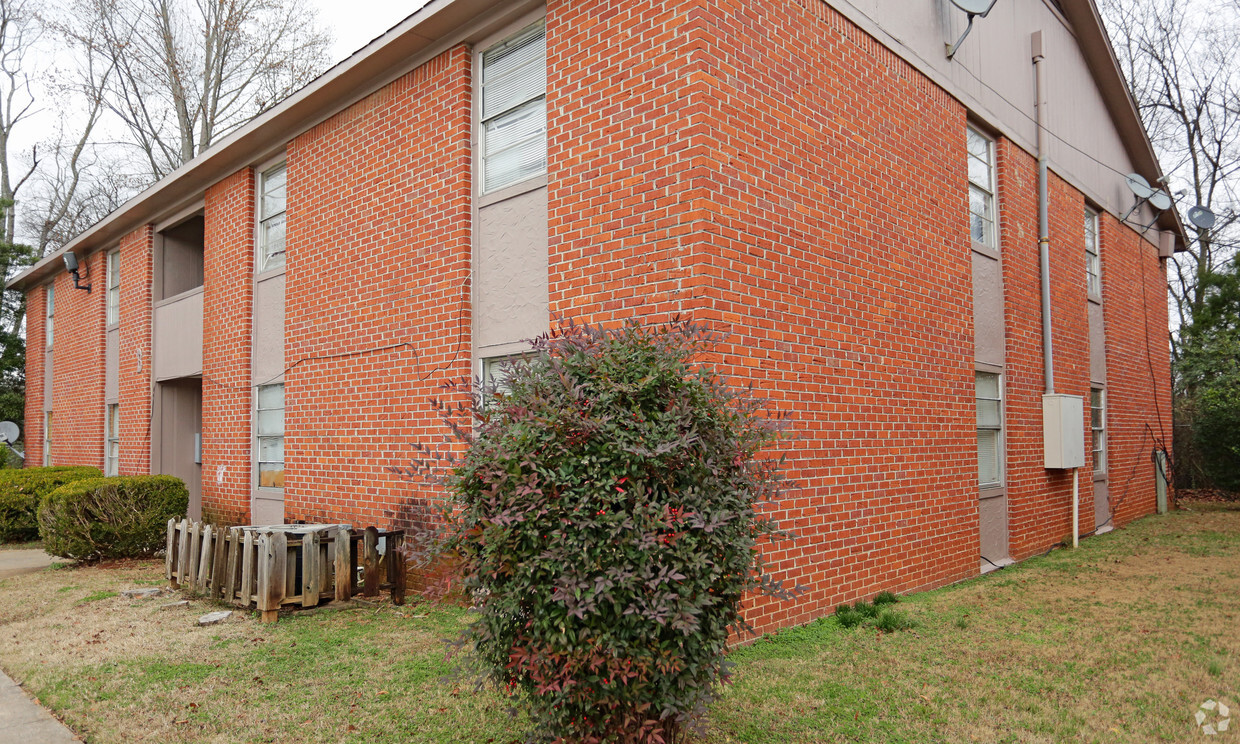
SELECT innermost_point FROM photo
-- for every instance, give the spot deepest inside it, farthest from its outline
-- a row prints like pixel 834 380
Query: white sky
pixel 355 22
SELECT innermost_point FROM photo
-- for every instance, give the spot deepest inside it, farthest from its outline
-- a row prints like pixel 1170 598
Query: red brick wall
pixel 36 315
pixel 227 348
pixel 134 377
pixel 848 296
pixel 1134 285
pixel 377 311
pixel 77 368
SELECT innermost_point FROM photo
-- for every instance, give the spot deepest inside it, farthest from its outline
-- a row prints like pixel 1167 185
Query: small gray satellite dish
pixel 1201 217
pixel 1140 186
pixel 1160 200
pixel 9 432
pixel 974 7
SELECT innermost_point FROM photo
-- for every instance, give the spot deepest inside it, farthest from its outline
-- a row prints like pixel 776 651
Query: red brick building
pixel 859 211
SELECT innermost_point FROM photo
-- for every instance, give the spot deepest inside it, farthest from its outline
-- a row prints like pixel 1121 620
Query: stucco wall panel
pixel 510 293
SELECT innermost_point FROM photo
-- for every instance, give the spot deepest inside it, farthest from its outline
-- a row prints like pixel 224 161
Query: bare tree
pixel 18 32
pixel 189 71
pixel 1182 60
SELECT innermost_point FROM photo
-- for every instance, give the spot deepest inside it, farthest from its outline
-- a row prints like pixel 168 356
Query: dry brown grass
pixel 1117 642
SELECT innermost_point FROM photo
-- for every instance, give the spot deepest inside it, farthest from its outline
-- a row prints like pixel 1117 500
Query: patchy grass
pixel 32 545
pixel 1119 641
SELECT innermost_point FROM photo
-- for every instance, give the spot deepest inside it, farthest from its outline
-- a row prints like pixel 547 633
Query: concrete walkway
pixel 14 562
pixel 23 721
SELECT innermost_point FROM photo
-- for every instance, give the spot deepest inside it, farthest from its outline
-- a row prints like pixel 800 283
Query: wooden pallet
pixel 269 567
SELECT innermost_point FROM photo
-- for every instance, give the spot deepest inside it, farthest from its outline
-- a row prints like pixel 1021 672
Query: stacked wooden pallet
pixel 269 567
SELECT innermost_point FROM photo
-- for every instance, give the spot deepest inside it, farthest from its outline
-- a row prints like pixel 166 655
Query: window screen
pixel 270 428
pixel 989 430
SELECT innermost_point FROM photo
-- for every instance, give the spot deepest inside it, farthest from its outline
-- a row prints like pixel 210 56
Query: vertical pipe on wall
pixel 1044 236
pixel 1076 507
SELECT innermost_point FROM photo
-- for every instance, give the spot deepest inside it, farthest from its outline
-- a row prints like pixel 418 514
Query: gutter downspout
pixel 1044 258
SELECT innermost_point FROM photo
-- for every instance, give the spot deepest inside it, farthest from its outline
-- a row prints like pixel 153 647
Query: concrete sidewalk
pixel 15 562
pixel 23 721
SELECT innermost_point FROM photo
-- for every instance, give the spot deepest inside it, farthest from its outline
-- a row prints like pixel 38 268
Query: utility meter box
pixel 1063 431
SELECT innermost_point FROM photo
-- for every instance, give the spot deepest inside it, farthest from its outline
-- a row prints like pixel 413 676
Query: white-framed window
pixel 981 156
pixel 272 206
pixel 989 429
pixel 49 320
pixel 1093 261
pixel 114 288
pixel 270 430
pixel 514 109
pixel 47 438
pixel 1098 427
pixel 112 443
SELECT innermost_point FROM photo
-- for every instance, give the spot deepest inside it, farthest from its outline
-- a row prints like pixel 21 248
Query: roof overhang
pixel 380 62
pixel 1095 46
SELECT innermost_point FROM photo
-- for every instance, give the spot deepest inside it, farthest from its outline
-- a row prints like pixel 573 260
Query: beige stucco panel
pixel 178 337
pixel 112 365
pixel 988 314
pixel 510 291
pixel 992 74
pixel 1097 344
pixel 269 329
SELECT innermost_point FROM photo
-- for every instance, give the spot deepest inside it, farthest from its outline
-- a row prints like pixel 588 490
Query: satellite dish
pixel 1160 200
pixel 974 7
pixel 1140 186
pixel 1201 217
pixel 9 432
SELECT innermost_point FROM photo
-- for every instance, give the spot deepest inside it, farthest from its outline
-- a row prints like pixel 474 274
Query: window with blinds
pixel 514 109
pixel 1098 428
pixel 114 287
pixel 112 447
pixel 270 430
pixel 1093 264
pixel 272 217
pixel 981 158
pixel 989 430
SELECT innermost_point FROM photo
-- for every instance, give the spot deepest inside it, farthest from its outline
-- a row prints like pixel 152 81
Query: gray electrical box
pixel 1063 431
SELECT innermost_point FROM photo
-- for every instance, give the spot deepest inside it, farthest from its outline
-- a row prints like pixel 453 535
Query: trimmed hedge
pixel 22 490
pixel 121 517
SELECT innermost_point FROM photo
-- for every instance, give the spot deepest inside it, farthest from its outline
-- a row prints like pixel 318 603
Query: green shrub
pixel 885 598
pixel 604 519
pixel 123 517
pixel 889 621
pixel 21 491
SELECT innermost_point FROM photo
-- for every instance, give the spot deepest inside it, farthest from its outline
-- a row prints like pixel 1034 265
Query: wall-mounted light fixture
pixel 71 265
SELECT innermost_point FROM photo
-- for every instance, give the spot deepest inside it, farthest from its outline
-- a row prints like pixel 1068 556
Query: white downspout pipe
pixel 1044 257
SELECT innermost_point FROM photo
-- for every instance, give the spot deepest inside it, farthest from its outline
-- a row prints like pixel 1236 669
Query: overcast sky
pixel 355 22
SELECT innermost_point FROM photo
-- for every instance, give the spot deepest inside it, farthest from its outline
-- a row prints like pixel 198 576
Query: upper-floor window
pixel 1098 428
pixel 982 189
pixel 989 430
pixel 514 109
pixel 114 287
pixel 272 203
pixel 1093 263
pixel 270 431
pixel 112 445
pixel 49 323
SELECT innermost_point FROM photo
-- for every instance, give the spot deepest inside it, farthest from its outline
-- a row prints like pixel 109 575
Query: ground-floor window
pixel 1098 428
pixel 271 436
pixel 112 447
pixel 47 438
pixel 989 430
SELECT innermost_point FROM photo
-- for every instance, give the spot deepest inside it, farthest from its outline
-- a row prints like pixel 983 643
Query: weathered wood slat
pixel 234 564
pixel 182 551
pixel 169 555
pixel 342 548
pixel 195 545
pixel 219 555
pixel 396 566
pixel 246 591
pixel 272 574
pixel 204 559
pixel 310 570
pixel 370 562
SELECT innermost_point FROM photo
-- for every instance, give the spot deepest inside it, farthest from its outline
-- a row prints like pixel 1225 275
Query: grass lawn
pixel 1120 641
